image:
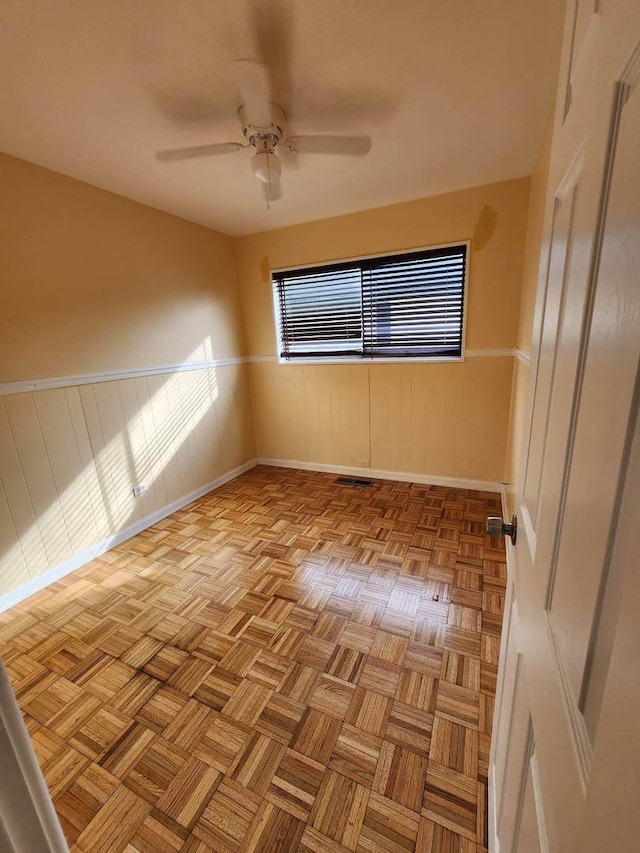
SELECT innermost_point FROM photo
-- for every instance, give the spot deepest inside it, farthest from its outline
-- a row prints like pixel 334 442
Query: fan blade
pixel 198 151
pixel 272 24
pixel 254 82
pixel 186 109
pixel 329 144
pixel 327 108
pixel 272 191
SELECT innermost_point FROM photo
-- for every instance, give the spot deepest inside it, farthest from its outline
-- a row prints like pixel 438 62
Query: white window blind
pixel 399 306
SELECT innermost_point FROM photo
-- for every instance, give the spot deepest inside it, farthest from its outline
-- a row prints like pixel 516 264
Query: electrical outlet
pixel 140 489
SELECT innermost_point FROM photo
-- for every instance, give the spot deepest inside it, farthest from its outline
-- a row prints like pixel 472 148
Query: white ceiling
pixel 454 93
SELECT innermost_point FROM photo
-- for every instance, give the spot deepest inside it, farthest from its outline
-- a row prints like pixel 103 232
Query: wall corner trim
pixel 15 596
pixel 523 357
pixel 376 474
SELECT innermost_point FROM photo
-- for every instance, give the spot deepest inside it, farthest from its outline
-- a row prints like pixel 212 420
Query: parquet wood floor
pixel 286 664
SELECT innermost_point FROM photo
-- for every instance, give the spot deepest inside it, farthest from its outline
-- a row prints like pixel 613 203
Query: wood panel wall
pixel 69 458
pixel 445 420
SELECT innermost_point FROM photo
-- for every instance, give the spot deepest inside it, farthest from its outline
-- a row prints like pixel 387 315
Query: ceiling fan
pixel 263 126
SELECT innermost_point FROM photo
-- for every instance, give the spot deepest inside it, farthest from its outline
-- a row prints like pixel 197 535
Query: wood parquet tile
pixel 287 664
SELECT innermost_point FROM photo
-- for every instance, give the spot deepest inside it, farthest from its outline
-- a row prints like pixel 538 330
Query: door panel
pixel 596 453
pixel 611 814
pixel 515 758
pixel 556 692
pixel 616 315
pixel 585 27
pixel 531 837
pixel 559 265
pixel 509 661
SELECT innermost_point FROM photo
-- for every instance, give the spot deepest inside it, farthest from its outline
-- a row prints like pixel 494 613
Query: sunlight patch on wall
pixel 162 430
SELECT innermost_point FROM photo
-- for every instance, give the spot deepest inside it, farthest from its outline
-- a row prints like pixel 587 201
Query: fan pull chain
pixel 269 182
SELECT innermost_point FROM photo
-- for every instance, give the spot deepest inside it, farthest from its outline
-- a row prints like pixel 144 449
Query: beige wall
pixel 521 368
pixel 446 420
pixel 90 281
pixel 93 283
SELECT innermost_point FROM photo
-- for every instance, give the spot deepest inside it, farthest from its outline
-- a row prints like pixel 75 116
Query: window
pixel 400 306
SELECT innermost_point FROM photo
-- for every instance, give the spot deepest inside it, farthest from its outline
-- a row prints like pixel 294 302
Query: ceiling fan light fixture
pixel 266 166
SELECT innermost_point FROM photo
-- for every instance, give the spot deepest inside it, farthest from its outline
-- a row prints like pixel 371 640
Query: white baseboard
pixel 15 596
pixel 402 476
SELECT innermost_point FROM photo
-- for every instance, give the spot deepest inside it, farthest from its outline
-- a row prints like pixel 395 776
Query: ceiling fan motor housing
pixel 265 164
pixel 255 134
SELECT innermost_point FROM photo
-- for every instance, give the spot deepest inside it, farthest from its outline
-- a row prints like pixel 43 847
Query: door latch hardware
pixel 497 527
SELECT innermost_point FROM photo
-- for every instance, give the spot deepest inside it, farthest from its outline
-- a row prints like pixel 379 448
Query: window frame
pixel 424 359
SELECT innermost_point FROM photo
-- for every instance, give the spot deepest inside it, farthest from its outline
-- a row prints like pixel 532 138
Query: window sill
pixel 309 361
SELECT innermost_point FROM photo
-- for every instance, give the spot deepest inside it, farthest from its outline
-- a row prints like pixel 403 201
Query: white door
pixel 569 688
